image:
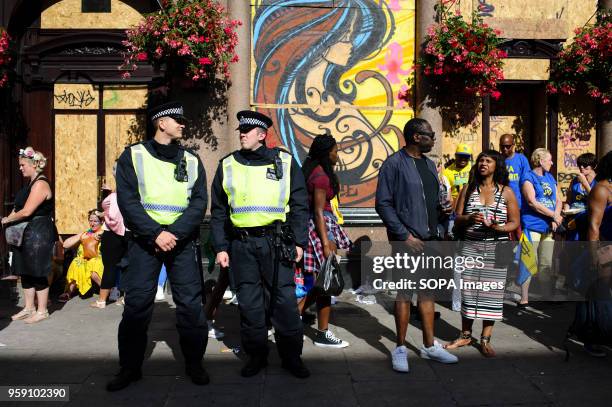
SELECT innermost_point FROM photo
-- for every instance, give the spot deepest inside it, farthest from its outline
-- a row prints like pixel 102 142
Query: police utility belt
pixel 281 234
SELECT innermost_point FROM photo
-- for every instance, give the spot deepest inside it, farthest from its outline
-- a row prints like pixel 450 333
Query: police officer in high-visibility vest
pixel 161 191
pixel 257 195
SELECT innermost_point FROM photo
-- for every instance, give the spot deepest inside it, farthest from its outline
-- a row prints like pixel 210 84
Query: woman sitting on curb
pixel 87 265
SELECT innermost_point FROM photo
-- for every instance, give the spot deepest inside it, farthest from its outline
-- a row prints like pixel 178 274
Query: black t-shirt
pixel 431 190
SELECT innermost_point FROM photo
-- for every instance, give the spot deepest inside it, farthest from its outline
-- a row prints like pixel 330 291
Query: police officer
pixel 161 191
pixel 256 190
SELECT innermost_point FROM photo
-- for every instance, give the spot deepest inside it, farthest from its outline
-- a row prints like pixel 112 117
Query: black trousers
pixel 112 249
pixel 251 275
pixel 140 285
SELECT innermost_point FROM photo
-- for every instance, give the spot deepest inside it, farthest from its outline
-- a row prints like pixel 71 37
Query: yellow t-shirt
pixel 457 179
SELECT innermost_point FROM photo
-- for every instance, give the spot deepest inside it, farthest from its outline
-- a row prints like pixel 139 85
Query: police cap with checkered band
pixel 170 109
pixel 248 120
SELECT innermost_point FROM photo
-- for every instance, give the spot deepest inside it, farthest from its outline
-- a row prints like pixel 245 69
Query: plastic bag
pixel 330 281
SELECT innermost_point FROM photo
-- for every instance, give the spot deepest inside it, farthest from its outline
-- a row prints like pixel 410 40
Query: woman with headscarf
pixel 32 259
pixel 325 235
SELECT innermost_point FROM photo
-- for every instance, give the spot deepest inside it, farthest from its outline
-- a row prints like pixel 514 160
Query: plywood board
pixel 67 14
pixel 125 97
pixel 121 130
pixel 526 69
pixel 76 186
pixel 75 96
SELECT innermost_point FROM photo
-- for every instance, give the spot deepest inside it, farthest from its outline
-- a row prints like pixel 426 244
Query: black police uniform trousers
pixel 251 275
pixel 140 285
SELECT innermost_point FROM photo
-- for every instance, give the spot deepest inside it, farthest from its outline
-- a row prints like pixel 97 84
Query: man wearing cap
pixel 458 173
pixel 161 192
pixel 256 192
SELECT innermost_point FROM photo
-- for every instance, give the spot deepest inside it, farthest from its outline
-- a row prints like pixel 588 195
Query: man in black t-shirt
pixel 407 199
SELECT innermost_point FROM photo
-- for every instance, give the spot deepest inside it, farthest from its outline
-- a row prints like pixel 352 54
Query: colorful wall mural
pixel 323 69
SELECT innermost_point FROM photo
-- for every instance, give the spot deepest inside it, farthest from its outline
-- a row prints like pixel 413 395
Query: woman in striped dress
pixel 488 213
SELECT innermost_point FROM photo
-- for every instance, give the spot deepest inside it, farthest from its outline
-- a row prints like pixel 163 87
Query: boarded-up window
pixel 95 6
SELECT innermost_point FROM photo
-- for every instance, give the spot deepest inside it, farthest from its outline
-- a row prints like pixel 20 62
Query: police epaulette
pixel 224 157
pixel 136 143
pixel 188 150
pixel 281 148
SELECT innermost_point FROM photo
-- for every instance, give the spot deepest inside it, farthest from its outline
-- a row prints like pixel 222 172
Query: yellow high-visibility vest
pixel 162 196
pixel 255 196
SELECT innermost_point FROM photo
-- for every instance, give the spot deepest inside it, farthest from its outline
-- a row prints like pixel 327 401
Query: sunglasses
pixel 505 146
pixel 431 135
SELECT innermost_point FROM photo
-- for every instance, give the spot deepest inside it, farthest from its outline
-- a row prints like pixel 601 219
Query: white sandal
pixel 23 314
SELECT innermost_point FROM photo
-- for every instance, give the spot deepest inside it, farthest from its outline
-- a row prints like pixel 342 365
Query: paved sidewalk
pixel 77 347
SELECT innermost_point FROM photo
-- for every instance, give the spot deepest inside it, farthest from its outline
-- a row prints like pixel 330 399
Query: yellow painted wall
pixel 67 14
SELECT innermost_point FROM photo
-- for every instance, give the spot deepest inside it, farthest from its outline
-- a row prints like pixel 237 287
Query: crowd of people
pixel 274 227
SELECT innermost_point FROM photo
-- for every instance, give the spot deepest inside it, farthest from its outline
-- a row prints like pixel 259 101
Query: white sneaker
pixel 214 333
pixel 228 295
pixel 399 359
pixel 438 353
pixel 160 296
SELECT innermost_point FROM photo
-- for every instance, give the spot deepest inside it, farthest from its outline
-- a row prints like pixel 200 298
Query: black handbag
pixel 330 281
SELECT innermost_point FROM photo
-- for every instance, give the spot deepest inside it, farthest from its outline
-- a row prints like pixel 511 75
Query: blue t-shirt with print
pixel 546 193
pixel 518 167
pixel 579 194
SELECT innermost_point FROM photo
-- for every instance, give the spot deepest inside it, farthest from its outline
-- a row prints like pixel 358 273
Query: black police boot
pixel 296 367
pixel 123 379
pixel 290 349
pixel 254 364
pixel 197 373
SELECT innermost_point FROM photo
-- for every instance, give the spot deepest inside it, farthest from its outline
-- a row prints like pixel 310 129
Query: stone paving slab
pixel 77 346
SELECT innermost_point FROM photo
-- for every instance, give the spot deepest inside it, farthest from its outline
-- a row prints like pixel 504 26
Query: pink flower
pixel 205 61
pixel 393 63
pixel 141 56
pixel 496 94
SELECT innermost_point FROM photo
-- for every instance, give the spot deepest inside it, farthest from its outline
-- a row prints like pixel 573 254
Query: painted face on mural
pixel 317 47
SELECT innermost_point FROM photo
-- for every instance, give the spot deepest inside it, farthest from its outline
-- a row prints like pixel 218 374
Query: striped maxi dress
pixel 477 303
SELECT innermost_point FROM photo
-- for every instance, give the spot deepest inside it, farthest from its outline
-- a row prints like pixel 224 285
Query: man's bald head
pixel 506 145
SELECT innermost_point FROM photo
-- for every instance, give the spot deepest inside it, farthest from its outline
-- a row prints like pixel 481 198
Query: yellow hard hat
pixel 463 149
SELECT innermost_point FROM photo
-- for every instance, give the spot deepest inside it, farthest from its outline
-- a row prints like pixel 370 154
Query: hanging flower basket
pixel 195 38
pixel 5 57
pixel 586 61
pixel 462 55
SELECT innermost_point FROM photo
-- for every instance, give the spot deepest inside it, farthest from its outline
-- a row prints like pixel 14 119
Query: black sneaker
pixel 253 365
pixel 327 339
pixel 123 379
pixel 198 375
pixel 296 367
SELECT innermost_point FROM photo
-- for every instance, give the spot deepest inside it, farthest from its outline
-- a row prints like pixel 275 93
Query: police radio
pixel 278 167
pixel 180 172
